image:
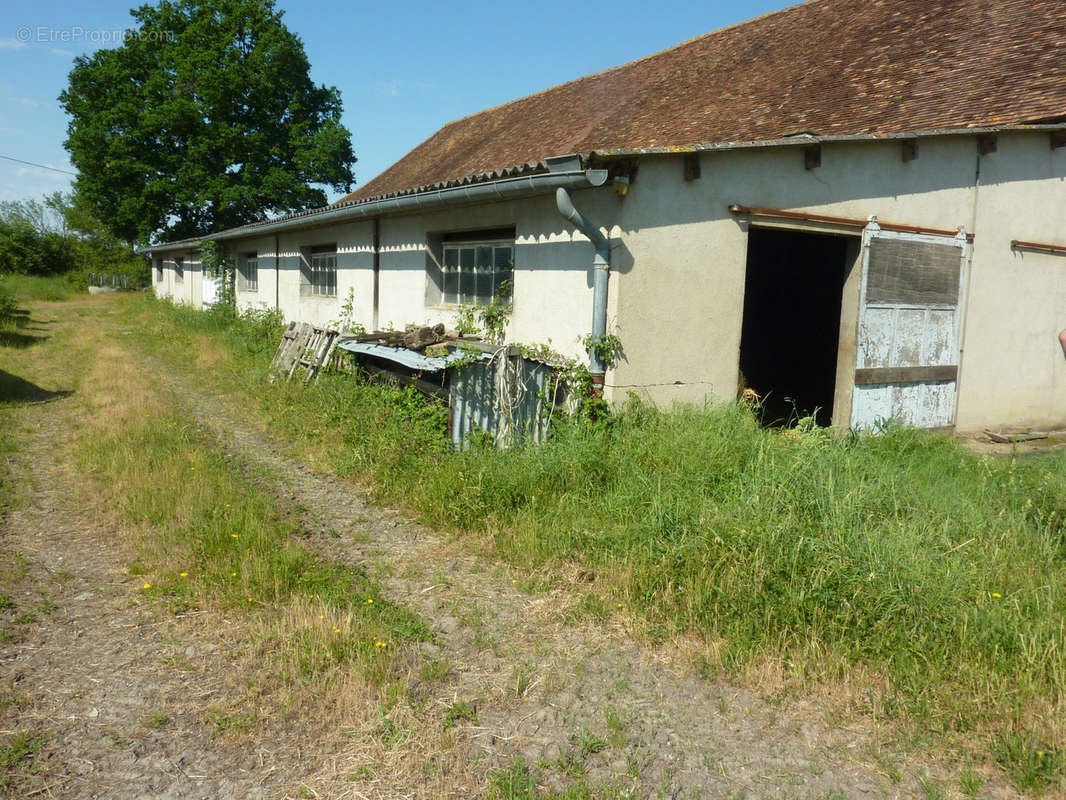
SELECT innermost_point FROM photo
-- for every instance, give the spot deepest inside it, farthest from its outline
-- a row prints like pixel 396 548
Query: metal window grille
pixel 324 274
pixel 478 272
pixel 248 274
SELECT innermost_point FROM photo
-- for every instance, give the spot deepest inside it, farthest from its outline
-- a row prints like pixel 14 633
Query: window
pixel 248 272
pixel 179 269
pixel 319 273
pixel 474 268
pixel 159 270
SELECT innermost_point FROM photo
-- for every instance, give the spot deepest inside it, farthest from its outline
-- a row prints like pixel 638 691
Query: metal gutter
pixel 181 244
pixel 377 273
pixel 505 189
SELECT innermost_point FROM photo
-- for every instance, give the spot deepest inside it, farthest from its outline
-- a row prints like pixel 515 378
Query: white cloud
pixel 61 52
pixel 34 183
pixel 42 174
pixel 11 44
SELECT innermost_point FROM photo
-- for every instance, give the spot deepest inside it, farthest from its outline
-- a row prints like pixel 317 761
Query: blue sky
pixel 403 68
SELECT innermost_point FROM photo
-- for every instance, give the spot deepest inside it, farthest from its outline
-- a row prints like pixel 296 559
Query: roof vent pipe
pixel 600 272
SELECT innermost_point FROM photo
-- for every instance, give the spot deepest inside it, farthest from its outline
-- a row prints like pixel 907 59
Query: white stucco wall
pixel 678 263
pixel 552 294
pixel 679 287
pixel 188 290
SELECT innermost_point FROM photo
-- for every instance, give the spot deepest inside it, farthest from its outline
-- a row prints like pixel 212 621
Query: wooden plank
pixel 1018 244
pixel 299 344
pixel 1011 438
pixel 880 375
pixel 848 222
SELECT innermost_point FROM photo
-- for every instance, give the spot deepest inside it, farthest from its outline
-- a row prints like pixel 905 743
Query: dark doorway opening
pixel 791 332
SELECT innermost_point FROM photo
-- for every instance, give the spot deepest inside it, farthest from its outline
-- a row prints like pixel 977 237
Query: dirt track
pixel 99 668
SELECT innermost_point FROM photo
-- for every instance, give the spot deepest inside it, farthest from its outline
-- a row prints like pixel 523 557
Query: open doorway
pixel 791 331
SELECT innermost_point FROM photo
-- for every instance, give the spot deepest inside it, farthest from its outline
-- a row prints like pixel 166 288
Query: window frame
pixel 179 269
pixel 159 275
pixel 459 262
pixel 316 271
pixel 248 277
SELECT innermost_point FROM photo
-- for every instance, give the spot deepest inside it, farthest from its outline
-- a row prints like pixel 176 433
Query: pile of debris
pixel 311 347
pixel 489 389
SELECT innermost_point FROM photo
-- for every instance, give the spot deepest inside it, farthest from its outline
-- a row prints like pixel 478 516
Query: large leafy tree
pixel 204 118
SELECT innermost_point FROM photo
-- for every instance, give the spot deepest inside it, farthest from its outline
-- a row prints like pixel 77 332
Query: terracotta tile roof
pixel 831 67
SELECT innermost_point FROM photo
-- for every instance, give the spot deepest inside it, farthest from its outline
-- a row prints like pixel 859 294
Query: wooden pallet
pixel 303 345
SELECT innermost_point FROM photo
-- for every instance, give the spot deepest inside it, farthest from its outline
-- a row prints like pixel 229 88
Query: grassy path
pixel 196 687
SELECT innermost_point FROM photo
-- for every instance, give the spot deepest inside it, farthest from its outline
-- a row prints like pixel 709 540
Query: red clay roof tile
pixel 830 67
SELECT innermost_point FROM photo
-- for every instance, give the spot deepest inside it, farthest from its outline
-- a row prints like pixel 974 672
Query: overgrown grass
pixel 28 288
pixel 212 537
pixel 934 573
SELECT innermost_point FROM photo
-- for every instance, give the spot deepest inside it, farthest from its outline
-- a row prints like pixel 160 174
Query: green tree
pixel 204 118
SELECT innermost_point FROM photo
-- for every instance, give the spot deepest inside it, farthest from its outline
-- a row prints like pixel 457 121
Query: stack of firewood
pixel 417 339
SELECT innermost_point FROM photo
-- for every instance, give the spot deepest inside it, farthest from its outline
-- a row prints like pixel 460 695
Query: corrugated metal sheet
pixel 408 358
pixel 507 397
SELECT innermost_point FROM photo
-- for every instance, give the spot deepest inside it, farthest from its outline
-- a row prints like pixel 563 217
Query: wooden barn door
pixel 907 353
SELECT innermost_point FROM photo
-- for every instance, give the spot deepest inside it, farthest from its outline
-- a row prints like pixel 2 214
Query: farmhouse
pixel 857 206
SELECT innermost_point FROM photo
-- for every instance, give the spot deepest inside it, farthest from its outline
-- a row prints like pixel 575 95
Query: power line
pixel 40 166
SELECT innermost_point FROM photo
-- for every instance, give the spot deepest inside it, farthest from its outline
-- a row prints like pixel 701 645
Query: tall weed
pixel 940 569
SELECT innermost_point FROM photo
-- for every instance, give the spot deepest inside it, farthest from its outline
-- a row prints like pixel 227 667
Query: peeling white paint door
pixel 907 353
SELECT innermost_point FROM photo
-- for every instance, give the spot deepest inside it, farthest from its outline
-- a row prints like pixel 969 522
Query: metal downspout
pixel 277 272
pixel 377 269
pixel 601 266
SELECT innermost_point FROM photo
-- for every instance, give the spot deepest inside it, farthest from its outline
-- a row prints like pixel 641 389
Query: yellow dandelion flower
pixel 234 575
pixel 620 605
pixel 147 586
pixel 321 616
pixel 370 600
pixel 233 535
pixel 250 600
pixel 997 595
pixel 336 630
pixel 227 505
pixel 184 575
